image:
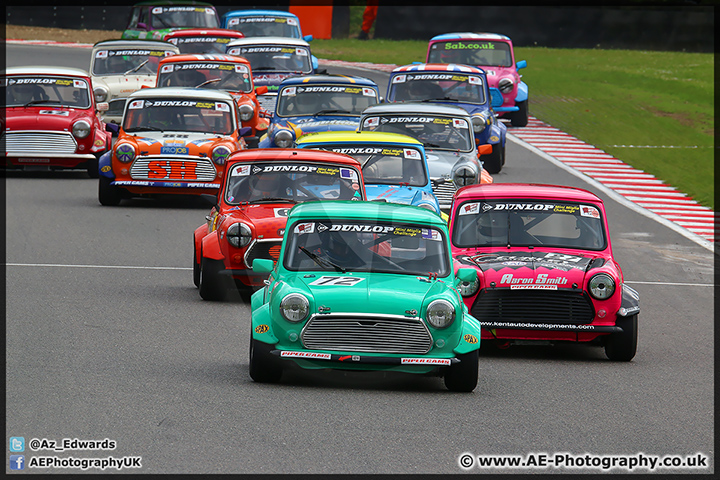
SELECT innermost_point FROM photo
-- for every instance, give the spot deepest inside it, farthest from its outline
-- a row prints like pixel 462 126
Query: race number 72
pixel 337 281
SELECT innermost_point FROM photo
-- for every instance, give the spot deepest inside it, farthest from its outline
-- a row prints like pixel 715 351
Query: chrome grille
pixel 533 306
pixel 267 249
pixel 117 106
pixel 268 101
pixel 40 143
pixel 444 191
pixel 366 333
pixel 204 168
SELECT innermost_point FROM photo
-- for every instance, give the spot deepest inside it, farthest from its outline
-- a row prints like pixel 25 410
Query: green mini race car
pixel 364 286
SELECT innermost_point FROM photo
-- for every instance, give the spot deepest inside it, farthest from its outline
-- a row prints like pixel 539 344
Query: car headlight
pixel 81 129
pixel 427 206
pixel 101 93
pixel 468 289
pixel 505 85
pixel 220 154
pixel 239 235
pixel 246 112
pixel 479 122
pixel 294 307
pixel 440 313
pixel 601 286
pixel 125 152
pixel 283 138
pixel 465 175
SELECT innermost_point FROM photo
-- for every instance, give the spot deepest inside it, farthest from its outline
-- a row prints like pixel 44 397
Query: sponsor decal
pixel 304 228
pixel 469 46
pixel 337 281
pixel 174 150
pixel 470 338
pixel 412 154
pixel 470 209
pixel 425 361
pixel 371 122
pixel 55 112
pixel 106 168
pixel 136 104
pixel 281 212
pixel 262 328
pixel 549 260
pixel 313 355
pixel 240 171
pixel 460 123
pixel 589 211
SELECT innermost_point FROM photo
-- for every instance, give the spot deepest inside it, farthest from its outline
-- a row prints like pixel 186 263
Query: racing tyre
pixel 520 118
pixel 621 347
pixel 463 376
pixel 92 168
pixel 264 368
pixel 196 266
pixel 210 283
pixel 493 163
pixel 109 195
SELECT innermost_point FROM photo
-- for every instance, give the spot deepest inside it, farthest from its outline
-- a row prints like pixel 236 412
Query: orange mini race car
pixel 248 221
pixel 171 141
pixel 228 73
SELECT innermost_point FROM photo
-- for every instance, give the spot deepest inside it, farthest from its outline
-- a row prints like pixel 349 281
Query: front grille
pixel 176 168
pixel 40 143
pixel 533 306
pixel 268 249
pixel 366 333
pixel 117 106
pixel 444 191
pixel 267 101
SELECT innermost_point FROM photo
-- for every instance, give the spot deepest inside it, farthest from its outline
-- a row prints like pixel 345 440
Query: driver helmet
pixel 493 225
pixel 25 93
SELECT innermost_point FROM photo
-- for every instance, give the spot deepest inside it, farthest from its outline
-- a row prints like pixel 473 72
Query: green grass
pixel 608 98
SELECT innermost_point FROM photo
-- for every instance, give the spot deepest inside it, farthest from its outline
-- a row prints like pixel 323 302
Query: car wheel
pixel 109 195
pixel 196 265
pixel 92 168
pixel 621 347
pixel 210 283
pixel 493 163
pixel 263 367
pixel 520 118
pixel 463 376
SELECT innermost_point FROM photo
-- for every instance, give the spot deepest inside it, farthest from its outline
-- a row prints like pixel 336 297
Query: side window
pixel 134 18
pixel 144 17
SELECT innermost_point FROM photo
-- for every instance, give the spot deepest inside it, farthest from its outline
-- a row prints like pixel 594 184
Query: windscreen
pixel 266 26
pixel 46 91
pixel 440 132
pixel 231 77
pixel 178 114
pixel 324 100
pixel 452 87
pixel 184 16
pixel 366 246
pixel 528 223
pixel 124 61
pixel 275 58
pixel 201 43
pixel 471 52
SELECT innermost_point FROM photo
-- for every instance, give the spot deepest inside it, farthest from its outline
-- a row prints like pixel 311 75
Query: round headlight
pixel 81 129
pixel 505 85
pixel 479 122
pixel 246 112
pixel 101 93
pixel 465 175
pixel 283 138
pixel 468 289
pixel 294 307
pixel 427 206
pixel 601 286
pixel 440 313
pixel 125 152
pixel 220 154
pixel 239 235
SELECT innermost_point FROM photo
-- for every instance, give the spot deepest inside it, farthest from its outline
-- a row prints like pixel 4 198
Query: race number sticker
pixel 281 212
pixel 337 281
pixel 55 112
pixel 348 173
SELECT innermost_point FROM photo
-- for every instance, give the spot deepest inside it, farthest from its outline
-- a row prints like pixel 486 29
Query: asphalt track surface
pixel 106 337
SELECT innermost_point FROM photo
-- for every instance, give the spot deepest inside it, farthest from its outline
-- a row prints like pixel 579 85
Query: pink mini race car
pixel 545 267
pixel 494 54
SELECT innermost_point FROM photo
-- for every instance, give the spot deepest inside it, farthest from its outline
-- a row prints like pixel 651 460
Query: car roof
pixel 360 137
pixel 526 190
pixel 328 78
pixel 126 43
pixel 293 155
pixel 205 57
pixel 438 67
pixel 258 13
pixel 415 108
pixel 193 32
pixel 188 92
pixel 163 3
pixel 470 35
pixel 46 70
pixel 260 41
pixel 353 210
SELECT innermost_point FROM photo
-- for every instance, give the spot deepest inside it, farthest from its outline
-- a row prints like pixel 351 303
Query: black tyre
pixel 109 195
pixel 463 376
pixel 210 283
pixel 92 168
pixel 621 347
pixel 520 118
pixel 264 368
pixel 493 163
pixel 196 266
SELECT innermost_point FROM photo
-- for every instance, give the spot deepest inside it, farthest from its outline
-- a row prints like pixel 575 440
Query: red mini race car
pixel 51 120
pixel 228 73
pixel 545 267
pixel 202 40
pixel 248 221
